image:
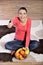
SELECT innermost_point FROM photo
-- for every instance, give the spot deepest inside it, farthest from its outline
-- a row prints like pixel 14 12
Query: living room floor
pixel 24 63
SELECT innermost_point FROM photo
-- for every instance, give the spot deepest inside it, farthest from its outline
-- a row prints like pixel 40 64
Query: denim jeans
pixel 16 44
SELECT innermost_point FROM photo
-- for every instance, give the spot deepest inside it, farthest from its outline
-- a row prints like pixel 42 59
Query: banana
pixel 24 48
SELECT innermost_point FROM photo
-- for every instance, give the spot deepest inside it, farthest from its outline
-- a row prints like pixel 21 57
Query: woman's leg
pixel 33 45
pixel 13 45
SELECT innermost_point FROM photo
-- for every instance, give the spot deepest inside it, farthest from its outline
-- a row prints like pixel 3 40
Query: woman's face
pixel 22 15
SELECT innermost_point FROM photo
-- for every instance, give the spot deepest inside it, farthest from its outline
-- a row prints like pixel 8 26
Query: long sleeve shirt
pixel 21 29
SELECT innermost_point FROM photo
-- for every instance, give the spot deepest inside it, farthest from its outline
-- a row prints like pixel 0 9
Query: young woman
pixel 23 28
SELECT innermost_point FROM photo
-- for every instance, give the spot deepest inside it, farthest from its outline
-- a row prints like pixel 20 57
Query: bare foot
pixel 12 52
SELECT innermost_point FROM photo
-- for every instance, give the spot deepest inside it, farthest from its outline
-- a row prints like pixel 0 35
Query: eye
pixel 24 13
pixel 20 13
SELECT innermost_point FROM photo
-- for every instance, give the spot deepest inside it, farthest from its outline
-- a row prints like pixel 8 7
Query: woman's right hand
pixel 9 25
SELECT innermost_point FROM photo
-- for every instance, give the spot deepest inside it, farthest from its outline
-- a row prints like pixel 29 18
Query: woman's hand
pixel 27 47
pixel 9 25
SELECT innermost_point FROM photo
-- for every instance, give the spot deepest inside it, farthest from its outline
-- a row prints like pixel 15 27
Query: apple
pixel 24 55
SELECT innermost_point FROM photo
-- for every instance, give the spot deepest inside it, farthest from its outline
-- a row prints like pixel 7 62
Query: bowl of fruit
pixel 22 53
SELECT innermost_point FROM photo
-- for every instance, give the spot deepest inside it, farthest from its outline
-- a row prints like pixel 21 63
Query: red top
pixel 21 29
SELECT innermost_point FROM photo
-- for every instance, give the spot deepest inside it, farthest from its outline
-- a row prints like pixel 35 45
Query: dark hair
pixel 22 8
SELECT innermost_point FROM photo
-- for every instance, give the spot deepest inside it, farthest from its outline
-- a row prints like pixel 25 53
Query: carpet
pixel 5 57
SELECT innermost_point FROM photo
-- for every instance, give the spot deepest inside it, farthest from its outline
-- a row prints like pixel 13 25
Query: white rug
pixel 37 57
pixel 28 59
pixel 6 38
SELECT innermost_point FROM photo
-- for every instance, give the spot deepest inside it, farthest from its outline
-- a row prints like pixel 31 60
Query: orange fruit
pixel 17 55
pixel 21 57
pixel 22 52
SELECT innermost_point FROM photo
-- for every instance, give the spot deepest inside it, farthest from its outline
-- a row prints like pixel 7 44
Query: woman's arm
pixel 28 34
pixel 12 22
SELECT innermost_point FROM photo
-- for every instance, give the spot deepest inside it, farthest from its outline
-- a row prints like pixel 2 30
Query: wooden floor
pixel 28 63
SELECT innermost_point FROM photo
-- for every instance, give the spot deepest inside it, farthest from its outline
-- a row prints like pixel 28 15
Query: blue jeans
pixel 16 44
